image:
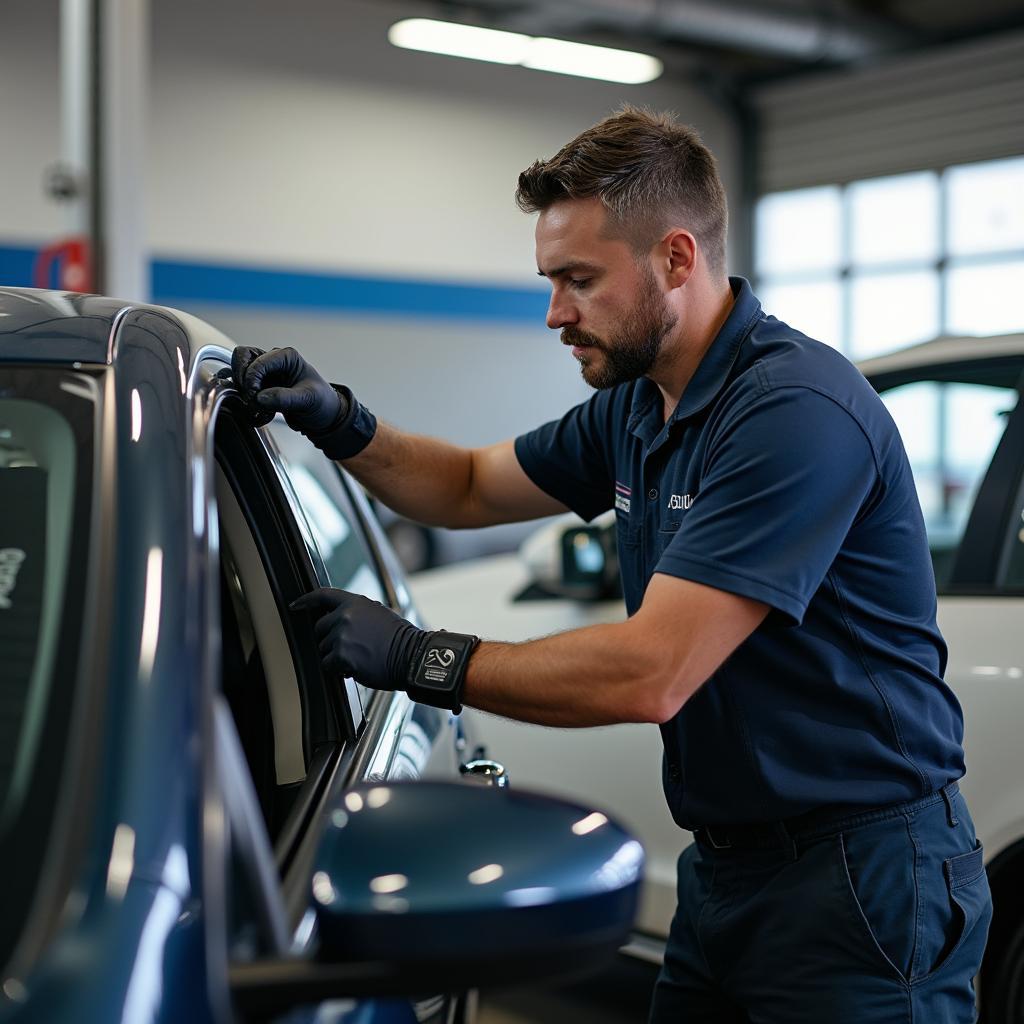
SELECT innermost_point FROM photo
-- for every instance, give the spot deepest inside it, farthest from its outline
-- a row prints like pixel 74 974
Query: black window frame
pixel 329 730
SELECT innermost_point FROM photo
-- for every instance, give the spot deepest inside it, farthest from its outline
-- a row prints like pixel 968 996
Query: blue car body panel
pixel 134 941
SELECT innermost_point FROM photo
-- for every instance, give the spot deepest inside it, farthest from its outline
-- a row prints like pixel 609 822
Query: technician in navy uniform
pixel 781 601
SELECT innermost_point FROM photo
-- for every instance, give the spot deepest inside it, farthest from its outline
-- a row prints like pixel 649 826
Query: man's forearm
pixel 586 677
pixel 421 478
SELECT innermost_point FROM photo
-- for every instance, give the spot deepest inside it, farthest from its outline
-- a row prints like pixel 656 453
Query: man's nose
pixel 560 312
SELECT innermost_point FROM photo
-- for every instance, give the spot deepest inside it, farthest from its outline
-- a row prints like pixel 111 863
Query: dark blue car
pixel 195 824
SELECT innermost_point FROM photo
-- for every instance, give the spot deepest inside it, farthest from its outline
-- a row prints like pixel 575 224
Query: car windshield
pixel 46 473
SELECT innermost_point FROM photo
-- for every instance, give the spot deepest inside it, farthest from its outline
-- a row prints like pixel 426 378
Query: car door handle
pixel 485 771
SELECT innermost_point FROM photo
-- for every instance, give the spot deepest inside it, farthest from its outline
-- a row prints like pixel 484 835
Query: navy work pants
pixel 876 917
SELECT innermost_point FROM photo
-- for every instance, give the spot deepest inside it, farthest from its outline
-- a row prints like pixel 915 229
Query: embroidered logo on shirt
pixel 677 501
pixel 622 496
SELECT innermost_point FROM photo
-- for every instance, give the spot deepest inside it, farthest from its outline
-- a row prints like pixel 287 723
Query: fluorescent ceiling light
pixel 539 53
pixel 459 40
pixel 591 61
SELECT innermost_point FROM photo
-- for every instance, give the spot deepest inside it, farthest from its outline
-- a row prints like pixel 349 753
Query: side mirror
pixel 433 886
pixel 569 558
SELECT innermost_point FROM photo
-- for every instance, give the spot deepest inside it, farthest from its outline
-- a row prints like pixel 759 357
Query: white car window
pixel 950 430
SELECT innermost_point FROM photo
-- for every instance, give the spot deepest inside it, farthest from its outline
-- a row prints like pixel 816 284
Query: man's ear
pixel 679 249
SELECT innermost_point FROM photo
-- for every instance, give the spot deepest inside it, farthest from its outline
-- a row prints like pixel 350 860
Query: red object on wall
pixel 73 258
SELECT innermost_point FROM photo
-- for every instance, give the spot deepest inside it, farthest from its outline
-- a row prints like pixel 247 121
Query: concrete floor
pixel 618 995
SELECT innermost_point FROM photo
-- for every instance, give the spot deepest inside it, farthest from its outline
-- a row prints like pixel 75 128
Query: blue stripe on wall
pixel 16 266
pixel 179 283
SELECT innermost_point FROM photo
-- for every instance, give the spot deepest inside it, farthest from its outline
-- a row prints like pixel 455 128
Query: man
pixel 781 600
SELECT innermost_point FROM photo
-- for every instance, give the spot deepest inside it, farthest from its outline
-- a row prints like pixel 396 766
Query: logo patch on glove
pixel 440 657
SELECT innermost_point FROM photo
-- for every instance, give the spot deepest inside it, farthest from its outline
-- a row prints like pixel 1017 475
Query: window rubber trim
pixel 307 801
pixel 288 568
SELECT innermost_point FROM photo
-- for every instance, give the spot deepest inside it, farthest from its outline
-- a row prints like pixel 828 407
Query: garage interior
pixel 292 177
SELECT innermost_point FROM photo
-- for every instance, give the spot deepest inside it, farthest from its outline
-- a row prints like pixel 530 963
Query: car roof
pixel 945 350
pixel 41 325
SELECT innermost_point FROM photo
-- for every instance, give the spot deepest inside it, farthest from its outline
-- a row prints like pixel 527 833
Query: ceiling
pixel 745 41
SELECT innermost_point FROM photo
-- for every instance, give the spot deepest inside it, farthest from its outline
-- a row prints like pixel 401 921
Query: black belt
pixel 777 835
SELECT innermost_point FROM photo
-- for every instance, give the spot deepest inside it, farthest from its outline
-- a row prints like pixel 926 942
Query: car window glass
pixel 347 557
pixel 335 527
pixel 37 490
pixel 47 423
pixel 950 430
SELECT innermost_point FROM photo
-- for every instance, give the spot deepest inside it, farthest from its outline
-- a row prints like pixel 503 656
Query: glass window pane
pixel 915 408
pixel 891 311
pixel 798 230
pixel 986 212
pixel 327 511
pixel 950 431
pixel 977 417
pixel 985 298
pixel 814 308
pixel 333 522
pixel 894 219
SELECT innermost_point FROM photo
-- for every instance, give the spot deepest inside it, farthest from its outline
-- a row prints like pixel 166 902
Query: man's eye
pixel 579 283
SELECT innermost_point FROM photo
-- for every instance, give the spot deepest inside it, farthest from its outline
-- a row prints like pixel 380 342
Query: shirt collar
pixel 711 374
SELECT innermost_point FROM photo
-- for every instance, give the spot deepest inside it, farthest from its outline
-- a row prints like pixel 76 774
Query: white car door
pixel 964 432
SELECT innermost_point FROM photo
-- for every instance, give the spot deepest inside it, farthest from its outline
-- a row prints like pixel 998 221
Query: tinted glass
pixel 46 487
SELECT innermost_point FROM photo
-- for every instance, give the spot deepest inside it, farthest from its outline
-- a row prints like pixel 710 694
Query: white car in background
pixel 955 401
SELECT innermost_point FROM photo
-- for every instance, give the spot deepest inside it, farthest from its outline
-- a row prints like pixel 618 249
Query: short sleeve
pixel 570 458
pixel 784 481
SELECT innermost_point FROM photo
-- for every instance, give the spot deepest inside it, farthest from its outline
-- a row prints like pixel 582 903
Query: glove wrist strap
pixel 437 674
pixel 350 433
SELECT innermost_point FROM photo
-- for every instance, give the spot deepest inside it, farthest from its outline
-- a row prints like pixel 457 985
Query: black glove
pixel 363 639
pixel 282 381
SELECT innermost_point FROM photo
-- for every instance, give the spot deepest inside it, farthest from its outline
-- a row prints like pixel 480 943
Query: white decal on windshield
pixel 10 563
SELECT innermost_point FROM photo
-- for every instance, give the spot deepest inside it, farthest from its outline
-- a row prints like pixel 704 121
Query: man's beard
pixel 637 343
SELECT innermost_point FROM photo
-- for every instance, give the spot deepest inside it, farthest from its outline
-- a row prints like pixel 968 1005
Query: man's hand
pixel 361 638
pixel 282 381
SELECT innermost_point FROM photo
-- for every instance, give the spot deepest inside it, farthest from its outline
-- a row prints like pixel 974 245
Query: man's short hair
pixel 650 172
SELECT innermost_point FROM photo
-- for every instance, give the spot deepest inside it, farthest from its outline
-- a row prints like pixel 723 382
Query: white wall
pixel 29 119
pixel 294 136
pixel 308 138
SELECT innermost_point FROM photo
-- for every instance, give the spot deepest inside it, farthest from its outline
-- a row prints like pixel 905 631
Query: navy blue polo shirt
pixel 780 476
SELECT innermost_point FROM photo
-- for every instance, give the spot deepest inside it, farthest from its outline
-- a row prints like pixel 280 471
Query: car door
pixel 289 741
pixel 963 427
